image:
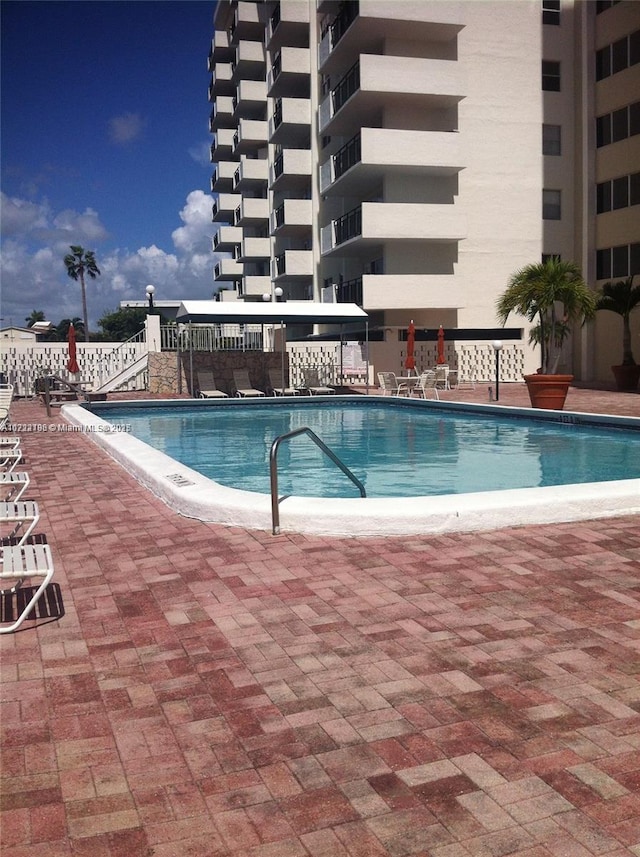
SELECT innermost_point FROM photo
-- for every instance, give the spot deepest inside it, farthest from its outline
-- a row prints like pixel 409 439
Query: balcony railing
pixel 276 66
pixel 278 216
pixel 281 265
pixel 275 17
pixel 349 84
pixel 350 292
pixel 277 114
pixel 278 165
pixel 346 157
pixel 343 21
pixel 348 226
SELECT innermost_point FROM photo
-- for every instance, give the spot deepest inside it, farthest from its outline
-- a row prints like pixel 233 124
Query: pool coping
pixel 196 496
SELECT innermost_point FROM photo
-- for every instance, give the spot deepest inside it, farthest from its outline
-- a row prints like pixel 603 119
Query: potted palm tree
pixel 554 295
pixel 622 297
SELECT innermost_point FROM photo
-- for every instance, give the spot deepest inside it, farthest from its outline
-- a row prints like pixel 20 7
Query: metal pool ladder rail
pixel 273 469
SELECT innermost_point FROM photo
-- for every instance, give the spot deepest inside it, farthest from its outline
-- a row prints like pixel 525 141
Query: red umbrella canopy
pixel 441 359
pixel 72 362
pixel 410 362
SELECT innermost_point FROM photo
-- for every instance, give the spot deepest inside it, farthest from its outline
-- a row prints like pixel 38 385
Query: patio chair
pixel 275 381
pixel 9 442
pixel 19 562
pixel 389 384
pixel 23 515
pixel 427 383
pixel 9 459
pixel 314 385
pixel 442 374
pixel 6 397
pixel 243 385
pixel 207 387
pixel 13 485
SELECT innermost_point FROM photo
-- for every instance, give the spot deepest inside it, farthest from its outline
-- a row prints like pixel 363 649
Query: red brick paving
pixel 213 691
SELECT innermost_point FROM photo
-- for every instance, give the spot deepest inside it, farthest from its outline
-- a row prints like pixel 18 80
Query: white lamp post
pixel 497 347
pixel 150 290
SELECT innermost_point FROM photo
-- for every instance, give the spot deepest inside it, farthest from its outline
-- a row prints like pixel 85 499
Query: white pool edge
pixel 195 496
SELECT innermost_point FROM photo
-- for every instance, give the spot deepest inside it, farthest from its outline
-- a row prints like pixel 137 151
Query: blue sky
pixel 105 143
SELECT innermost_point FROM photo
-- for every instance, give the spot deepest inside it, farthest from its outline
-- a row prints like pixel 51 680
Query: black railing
pixel 281 265
pixel 277 113
pixel 275 17
pixel 347 156
pixel 349 84
pixel 278 166
pixel 279 215
pixel 276 66
pixel 350 292
pixel 347 15
pixel 348 226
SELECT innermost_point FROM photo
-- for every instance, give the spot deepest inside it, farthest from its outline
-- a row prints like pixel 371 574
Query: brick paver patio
pixel 212 691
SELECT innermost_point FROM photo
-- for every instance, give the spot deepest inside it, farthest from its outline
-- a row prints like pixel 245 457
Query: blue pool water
pixel 395 450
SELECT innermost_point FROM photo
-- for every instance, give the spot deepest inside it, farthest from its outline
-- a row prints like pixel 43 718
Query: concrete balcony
pixel 290 73
pixel 221 49
pixel 254 248
pixel 246 23
pixel 251 174
pixel 291 170
pixel 250 100
pixel 377 223
pixel 361 28
pixel 292 265
pixel 222 146
pixel 377 82
pixel 288 25
pixel 227 269
pixel 291 122
pixel 253 284
pixel 224 207
pixel 292 218
pixel 222 113
pixel 378 152
pixel 221 80
pixel 226 239
pixel 251 212
pixel 406 291
pixel 249 62
pixel 250 136
pixel 222 178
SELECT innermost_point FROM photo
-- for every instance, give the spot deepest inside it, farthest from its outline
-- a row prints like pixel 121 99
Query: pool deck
pixel 219 692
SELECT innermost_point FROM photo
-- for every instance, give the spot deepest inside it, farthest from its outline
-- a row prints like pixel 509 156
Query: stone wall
pixel 167 377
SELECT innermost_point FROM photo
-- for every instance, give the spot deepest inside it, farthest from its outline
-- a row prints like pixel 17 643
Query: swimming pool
pixel 194 495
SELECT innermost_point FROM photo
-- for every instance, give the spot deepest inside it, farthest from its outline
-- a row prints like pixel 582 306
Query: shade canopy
pixel 269 312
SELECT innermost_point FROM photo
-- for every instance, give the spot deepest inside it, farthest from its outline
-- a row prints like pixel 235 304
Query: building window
pixel 548 257
pixel 603 197
pixel 603 264
pixel 603 5
pixel 603 63
pixel 620 193
pixel 550 76
pixel 634 192
pixel 551 205
pixel 619 55
pixel 551 12
pixel 618 125
pixel 618 262
pixel 603 130
pixel 551 139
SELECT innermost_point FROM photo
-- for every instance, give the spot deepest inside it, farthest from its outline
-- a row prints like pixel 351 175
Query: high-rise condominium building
pixel 410 155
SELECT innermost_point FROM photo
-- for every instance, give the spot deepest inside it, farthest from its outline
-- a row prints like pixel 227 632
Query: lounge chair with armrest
pixel 244 388
pixel 314 385
pixel 19 562
pixel 207 387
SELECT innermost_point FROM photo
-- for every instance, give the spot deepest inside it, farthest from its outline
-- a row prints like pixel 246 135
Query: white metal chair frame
pixel 16 483
pixel 23 514
pixel 427 381
pixel 389 383
pixel 20 562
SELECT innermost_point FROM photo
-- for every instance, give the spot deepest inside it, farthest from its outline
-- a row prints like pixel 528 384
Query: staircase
pixel 127 374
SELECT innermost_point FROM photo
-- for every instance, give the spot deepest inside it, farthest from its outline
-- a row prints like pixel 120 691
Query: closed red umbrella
pixel 410 362
pixel 441 359
pixel 72 362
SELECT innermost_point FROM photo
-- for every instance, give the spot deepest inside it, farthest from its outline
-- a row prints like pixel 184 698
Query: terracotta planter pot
pixel 548 391
pixel 627 377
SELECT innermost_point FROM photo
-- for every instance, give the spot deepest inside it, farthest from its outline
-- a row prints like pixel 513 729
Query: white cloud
pixel 34 276
pixel 201 153
pixel 126 128
pixel 197 232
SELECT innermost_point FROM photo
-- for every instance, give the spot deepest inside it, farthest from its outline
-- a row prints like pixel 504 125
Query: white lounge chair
pixel 207 387
pixel 9 459
pixel 314 385
pixel 13 485
pixel 6 397
pixel 244 389
pixel 9 442
pixel 18 563
pixel 23 515
pixel 427 383
pixel 390 386
pixel 275 380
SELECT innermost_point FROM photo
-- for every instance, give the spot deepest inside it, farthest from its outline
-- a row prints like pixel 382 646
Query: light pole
pixel 497 347
pixel 150 290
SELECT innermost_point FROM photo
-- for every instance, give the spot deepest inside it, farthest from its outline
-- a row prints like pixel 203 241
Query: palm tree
pixel 80 262
pixel 554 294
pixel 622 298
pixel 62 328
pixel 36 315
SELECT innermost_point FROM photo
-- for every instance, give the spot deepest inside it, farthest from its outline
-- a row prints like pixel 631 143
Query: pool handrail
pixel 273 470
